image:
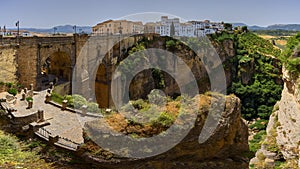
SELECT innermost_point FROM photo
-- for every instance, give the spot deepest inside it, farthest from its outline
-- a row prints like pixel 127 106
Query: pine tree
pixel 172 29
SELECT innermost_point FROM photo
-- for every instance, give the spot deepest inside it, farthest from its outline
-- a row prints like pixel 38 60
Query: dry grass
pixel 267 37
pixel 281 42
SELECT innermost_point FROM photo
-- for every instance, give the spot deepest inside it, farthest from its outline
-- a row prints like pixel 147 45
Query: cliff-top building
pixel 111 27
pixel 165 27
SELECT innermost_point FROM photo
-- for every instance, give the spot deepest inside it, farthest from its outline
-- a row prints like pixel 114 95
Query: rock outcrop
pixel 226 148
pixel 283 130
pixel 288 131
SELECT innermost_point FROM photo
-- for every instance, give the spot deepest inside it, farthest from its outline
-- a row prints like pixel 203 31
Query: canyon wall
pixel 282 142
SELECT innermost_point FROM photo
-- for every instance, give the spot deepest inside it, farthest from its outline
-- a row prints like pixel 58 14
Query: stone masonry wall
pixel 8 65
pixel 27 68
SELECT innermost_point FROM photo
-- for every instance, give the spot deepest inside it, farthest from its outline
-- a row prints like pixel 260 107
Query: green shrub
pixel 245 59
pixel 7 145
pixel 57 98
pixel 70 100
pixel 259 125
pixel 292 64
pixel 28 99
pixel 93 107
pixel 225 36
pixel 9 84
pixel 255 143
pixel 140 104
pixel 244 28
pixel 159 78
pixel 171 44
pixel 164 119
pixel 138 47
pixel 35 144
pixel 13 91
pixel 19 86
pixel 228 26
pixel 79 101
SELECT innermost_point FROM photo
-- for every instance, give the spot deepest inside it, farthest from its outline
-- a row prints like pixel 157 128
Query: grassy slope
pixel 16 154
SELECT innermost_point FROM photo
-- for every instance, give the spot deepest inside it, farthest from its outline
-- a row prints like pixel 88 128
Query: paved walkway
pixel 65 124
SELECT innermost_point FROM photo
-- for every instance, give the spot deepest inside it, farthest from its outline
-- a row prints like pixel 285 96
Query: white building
pixel 202 28
pixel 164 26
pixel 186 29
pixel 189 29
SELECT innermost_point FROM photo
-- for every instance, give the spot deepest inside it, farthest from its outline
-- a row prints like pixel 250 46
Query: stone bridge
pixel 90 62
pixel 39 60
pixel 35 56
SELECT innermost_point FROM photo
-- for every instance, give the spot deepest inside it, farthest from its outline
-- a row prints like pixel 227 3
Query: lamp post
pixel 1 35
pixel 74 27
pixel 18 27
pixel 54 30
pixel 4 30
pixel 18 33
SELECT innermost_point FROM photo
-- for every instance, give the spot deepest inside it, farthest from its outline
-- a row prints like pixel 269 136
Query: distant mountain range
pixel 289 27
pixel 61 29
pixel 88 29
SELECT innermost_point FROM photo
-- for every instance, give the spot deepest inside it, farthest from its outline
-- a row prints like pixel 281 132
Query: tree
pixel 244 29
pixel 172 29
pixel 228 26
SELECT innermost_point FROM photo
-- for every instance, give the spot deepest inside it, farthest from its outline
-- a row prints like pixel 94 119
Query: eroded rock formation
pixel 283 131
pixel 226 148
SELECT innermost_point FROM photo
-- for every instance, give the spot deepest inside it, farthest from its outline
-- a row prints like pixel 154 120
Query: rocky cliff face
pixel 226 51
pixel 226 148
pixel 283 131
pixel 288 138
pixel 144 82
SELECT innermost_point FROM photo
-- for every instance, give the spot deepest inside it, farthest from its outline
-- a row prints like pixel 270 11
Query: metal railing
pixel 42 132
pixel 62 142
pixel 65 142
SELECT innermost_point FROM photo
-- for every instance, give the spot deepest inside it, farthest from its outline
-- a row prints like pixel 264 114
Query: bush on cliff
pixel 292 62
pixel 13 91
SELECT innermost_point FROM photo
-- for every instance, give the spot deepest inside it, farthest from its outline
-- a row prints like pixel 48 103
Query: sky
pixel 50 13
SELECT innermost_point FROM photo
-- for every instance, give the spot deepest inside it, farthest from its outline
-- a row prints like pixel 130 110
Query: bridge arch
pixel 59 65
pixel 103 74
pixel 102 86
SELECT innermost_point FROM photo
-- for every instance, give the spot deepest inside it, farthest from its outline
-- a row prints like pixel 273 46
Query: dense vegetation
pixel 76 101
pixel 258 77
pixel 290 56
pixel 258 80
pixel 276 32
